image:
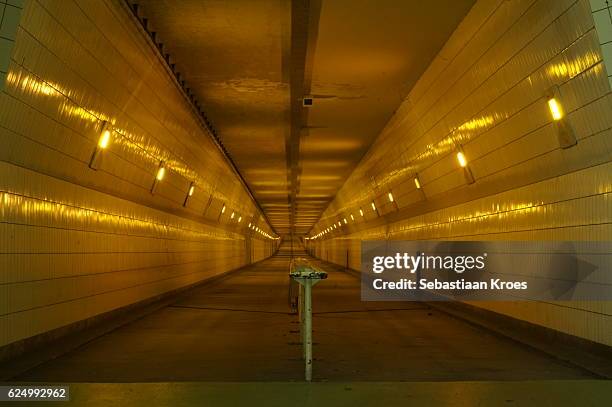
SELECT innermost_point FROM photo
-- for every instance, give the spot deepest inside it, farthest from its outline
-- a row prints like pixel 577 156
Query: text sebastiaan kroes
pixel 422 263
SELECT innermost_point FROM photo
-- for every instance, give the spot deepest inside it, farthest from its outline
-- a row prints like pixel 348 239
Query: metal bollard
pixel 307 276
pixel 308 328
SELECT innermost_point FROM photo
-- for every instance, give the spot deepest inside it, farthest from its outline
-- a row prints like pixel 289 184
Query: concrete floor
pixel 239 329
pixel 583 393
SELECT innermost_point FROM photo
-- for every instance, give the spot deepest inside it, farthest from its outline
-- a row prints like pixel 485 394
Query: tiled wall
pixel 77 242
pixel 487 90
pixel 10 12
pixel 602 15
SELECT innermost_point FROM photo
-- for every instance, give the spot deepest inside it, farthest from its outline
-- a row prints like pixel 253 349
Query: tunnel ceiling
pixel 249 64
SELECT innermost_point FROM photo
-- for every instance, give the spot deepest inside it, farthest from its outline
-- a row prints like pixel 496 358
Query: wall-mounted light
pixel 232 215
pixel 361 212
pixel 392 200
pixel 344 220
pixel 105 137
pixel 249 225
pixel 161 172
pixel 159 176
pixel 189 193
pixel 223 209
pixel 335 227
pixel 352 217
pixel 461 158
pixel 555 109
pixel 103 143
pixel 565 133
pixel 463 163
pixel 239 219
pixel 373 206
pixel 417 184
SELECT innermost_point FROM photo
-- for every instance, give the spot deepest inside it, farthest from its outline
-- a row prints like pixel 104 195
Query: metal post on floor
pixel 307 276
pixel 302 315
pixel 308 328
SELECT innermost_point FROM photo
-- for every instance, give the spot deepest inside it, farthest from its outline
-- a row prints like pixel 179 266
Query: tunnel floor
pixel 239 329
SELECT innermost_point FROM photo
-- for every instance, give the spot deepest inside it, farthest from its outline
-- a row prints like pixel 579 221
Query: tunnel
pixel 306 202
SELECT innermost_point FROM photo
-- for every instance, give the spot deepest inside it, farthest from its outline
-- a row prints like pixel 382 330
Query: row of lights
pixel 372 205
pixel 251 225
pixel 564 133
pixel 106 132
pixel 461 159
pixel 258 230
pixel 104 142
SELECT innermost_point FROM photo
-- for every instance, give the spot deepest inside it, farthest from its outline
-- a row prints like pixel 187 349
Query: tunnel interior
pixel 164 164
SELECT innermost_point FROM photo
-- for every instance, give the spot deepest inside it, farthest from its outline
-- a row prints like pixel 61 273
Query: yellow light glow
pixel 239 219
pixel 335 227
pixel 555 109
pixel 138 144
pixel 373 206
pixel 160 173
pixel 191 190
pixel 104 140
pixel 249 224
pixel 390 195
pixel 361 212
pixel 232 216
pixel 352 217
pixel 417 183
pixel 345 222
pixel 339 223
pixel 461 158
pixel 223 209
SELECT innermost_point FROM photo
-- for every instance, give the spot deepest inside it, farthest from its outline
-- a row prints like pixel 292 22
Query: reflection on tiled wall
pixel 10 12
pixel 78 241
pixel 486 95
pixel 602 15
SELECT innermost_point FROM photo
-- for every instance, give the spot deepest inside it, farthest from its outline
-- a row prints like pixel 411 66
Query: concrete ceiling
pixel 250 62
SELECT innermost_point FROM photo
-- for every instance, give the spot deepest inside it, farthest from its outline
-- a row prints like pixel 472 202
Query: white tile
pixel 603 25
pixel 10 22
pixel 598 5
pixel 6 46
pixel 606 50
pixel 16 3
